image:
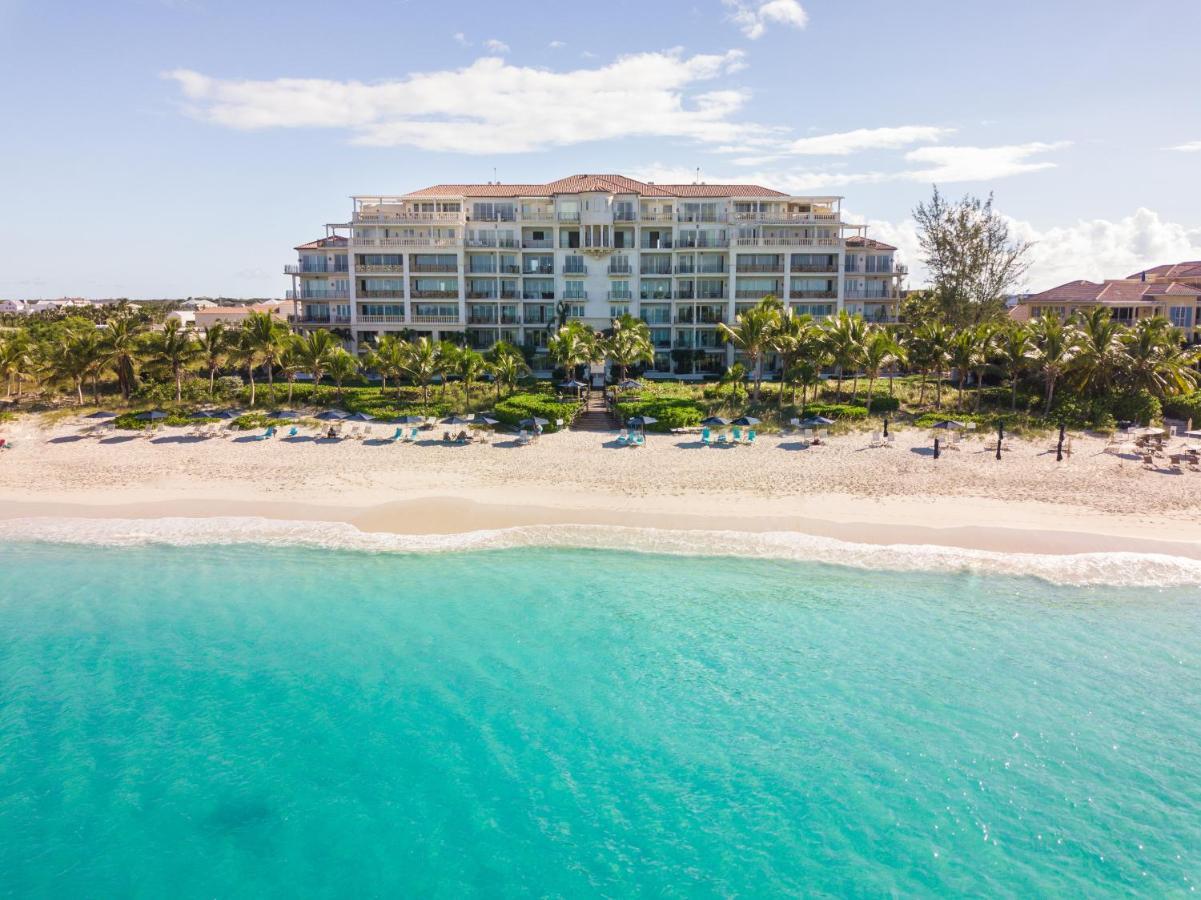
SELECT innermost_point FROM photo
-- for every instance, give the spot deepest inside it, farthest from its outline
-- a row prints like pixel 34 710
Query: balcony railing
pixel 295 269
pixel 381 320
pixel 435 320
pixel 482 295
pixel 510 269
pixel 682 216
pixel 707 244
pixel 318 295
pixel 658 295
pixel 575 269
pixel 760 269
pixel 540 271
pixel 447 267
pixel 538 295
pixel 575 295
pixel 624 215
pixel 812 295
pixel 394 293
pixel 565 216
pixel 661 244
pixel 433 295
pixel 786 242
pixel 649 268
pixel 406 242
pixel 825 268
pixel 483 320
pixel 802 218
pixel 621 267
pixel 537 244
pixel 389 218
pixel 373 270
pixel 537 213
pixel 656 216
pixel 324 320
pixel 621 296
pixel 864 295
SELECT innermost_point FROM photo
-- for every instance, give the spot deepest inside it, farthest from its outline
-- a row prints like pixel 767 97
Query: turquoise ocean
pixel 247 721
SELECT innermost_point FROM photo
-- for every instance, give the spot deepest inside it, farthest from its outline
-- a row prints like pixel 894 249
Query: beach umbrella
pixel 715 422
pixel 407 420
pixel 746 421
pixel 816 420
pixel 456 420
pixel 642 421
pixel 533 421
pixel 360 417
pixel 283 414
pixel 101 414
pixel 572 384
pixel 203 414
pixel 332 415
pixel 948 425
pixel 152 416
pixel 227 414
pixel 630 385
pixel 484 421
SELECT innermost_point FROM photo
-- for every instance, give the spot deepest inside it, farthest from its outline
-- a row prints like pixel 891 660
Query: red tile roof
pixel 1172 270
pixel 325 243
pixel 868 243
pixel 577 184
pixel 1117 292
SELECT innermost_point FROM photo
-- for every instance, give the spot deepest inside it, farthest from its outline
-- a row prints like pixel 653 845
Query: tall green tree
pixel 175 349
pixel 1014 348
pixel 844 336
pixel 315 352
pixel 264 338
pixel 214 344
pixel 752 333
pixel 1054 349
pixel 880 350
pixel 122 345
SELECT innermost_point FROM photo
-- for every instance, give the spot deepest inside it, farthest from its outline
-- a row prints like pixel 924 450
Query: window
pixel 576 310
pixel 574 290
pixel 1182 317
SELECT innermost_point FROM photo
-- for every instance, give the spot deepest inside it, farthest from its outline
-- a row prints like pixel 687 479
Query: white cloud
pixel 1090 249
pixel 491 106
pixel 496 46
pixel 754 16
pixel 948 164
pixel 796 181
pixel 1190 147
pixel 847 142
pixel 556 45
pixel 461 39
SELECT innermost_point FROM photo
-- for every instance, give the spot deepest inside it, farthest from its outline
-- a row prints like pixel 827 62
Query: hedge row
pixel 839 411
pixel 513 409
pixel 671 412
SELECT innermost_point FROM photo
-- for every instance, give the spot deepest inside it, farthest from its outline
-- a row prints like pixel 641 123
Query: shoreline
pixel 1017 528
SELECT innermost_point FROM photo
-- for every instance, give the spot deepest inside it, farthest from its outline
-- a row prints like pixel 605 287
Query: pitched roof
pixel 1115 292
pixel 578 184
pixel 1172 270
pixel 324 243
pixel 868 243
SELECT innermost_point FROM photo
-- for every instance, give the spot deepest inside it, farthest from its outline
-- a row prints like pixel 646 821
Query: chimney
pixel 1143 276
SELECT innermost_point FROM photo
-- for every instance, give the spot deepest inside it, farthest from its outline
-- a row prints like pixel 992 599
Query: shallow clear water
pixel 240 721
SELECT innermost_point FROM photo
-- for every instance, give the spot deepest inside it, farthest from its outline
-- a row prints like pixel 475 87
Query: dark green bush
pixel 840 411
pixel 1185 407
pixel 882 403
pixel 513 409
pixel 671 412
pixel 1135 406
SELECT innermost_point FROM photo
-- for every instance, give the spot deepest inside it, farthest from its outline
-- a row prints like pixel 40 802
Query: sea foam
pixel 1081 569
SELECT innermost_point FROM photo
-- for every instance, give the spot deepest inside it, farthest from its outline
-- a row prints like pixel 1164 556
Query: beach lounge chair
pixel 396 436
pixel 1148 461
pixel 706 436
pixel 877 440
pixel 5 444
pixel 723 438
pixel 523 438
pixel 890 441
pixel 266 435
pixel 638 439
pixel 736 435
pixel 413 434
pixel 623 436
pixel 293 432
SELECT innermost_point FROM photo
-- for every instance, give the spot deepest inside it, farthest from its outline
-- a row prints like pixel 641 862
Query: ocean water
pixel 246 721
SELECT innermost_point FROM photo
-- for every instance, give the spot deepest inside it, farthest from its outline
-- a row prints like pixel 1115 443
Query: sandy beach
pixel 1026 502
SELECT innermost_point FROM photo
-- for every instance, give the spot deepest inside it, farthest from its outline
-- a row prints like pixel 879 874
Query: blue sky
pixel 182 147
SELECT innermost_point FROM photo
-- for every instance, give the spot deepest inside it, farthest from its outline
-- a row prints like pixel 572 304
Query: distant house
pixel 13 306
pixel 198 304
pixel 185 317
pixel 236 315
pixel 1171 291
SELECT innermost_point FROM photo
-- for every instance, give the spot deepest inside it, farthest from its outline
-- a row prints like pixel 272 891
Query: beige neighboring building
pixel 1171 291
pixel 233 316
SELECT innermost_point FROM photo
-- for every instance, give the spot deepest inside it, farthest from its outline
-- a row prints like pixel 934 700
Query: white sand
pixel 1025 502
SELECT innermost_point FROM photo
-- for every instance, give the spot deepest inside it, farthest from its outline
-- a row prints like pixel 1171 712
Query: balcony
pixel 786 242
pixel 433 295
pixel 565 216
pixel 381 320
pixel 655 268
pixel 646 216
pixel 406 242
pixel 812 295
pixel 538 213
pixel 449 268
pixel 661 244
pixel 657 296
pixel 707 244
pixel 384 294
pixel 864 295
pixel 761 269
pixel 379 270
pixel 404 217
pixel 574 268
pixel 498 215
pixel 323 320
pixel 620 296
pixel 483 320
pixel 472 270
pixel 624 215
pixel 620 267
pixel 295 269
pixel 784 217
pixel 575 295
pixel 482 295
pixel 538 295
pixel 537 244
pixel 435 320
pixel 698 217
pixel 830 268
pixel 491 243
pixel 510 269
pixel 313 294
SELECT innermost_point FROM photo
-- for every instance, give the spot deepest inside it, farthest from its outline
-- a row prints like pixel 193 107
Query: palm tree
pixel 928 351
pixel 1100 353
pixel 1054 347
pixel 1156 360
pixel 752 333
pixel 265 338
pixel 214 351
pixel 965 354
pixel 315 351
pixel 16 361
pixel 388 359
pixel 175 349
pixel 70 355
pixel 1014 347
pixel 796 337
pixel 469 365
pixel 628 344
pixel 880 349
pixel 507 366
pixel 572 346
pixel 342 365
pixel 122 345
pixel 844 341
pixel 986 333
pixel 291 364
pixel 422 362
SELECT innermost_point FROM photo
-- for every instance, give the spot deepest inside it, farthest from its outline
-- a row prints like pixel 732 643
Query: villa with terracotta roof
pixel 1171 291
pixel 481 263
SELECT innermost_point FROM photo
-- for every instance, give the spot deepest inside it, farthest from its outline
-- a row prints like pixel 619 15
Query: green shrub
pixel 839 411
pixel 1135 406
pixel 513 409
pixel 671 412
pixel 1185 407
pixel 883 403
pixel 131 422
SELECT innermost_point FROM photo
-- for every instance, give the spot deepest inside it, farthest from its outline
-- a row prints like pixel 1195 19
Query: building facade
pixel 481 263
pixel 1171 291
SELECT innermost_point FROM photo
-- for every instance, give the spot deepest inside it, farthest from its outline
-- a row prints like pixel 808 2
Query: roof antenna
pixel 698 175
pixel 494 178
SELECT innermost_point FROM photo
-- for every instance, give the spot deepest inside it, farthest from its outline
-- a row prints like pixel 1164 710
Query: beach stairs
pixel 595 415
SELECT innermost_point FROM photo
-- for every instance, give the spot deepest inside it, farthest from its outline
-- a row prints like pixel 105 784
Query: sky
pixel 173 148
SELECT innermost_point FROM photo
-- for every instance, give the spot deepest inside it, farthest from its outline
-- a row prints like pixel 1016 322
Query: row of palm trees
pixel 1090 351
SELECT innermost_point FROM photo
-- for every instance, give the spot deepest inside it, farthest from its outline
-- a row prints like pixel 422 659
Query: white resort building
pixel 478 263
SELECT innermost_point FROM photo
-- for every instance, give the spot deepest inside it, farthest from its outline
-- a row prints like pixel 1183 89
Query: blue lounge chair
pixel 638 440
pixel 293 431
pixel 723 438
pixel 266 435
pixel 706 437
pixel 750 436
pixel 397 435
pixel 736 437
pixel 413 434
pixel 624 437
